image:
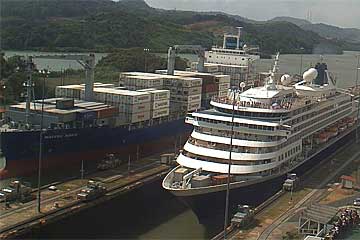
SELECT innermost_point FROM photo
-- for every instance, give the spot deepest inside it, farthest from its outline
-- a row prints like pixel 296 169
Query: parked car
pixel 52 188
pixel 357 202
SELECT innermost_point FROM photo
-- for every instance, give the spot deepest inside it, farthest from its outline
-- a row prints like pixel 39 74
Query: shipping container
pixel 139 117
pixel 194 90
pixel 223 79
pixel 192 106
pixel 224 86
pixel 186 99
pixel 107 112
pixel 210 88
pixel 182 82
pixel 65 103
pixel 157 94
pixel 162 112
pixel 161 104
pixel 141 81
pixel 124 96
pixel 222 93
pixel 86 115
pixel 134 108
pixel 194 98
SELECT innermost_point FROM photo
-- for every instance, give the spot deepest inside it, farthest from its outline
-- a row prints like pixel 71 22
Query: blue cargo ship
pixel 65 147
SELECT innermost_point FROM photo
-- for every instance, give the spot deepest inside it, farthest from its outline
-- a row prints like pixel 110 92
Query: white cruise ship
pixel 277 128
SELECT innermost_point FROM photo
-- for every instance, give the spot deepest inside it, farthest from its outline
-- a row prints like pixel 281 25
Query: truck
pixel 243 216
pixel 109 162
pixel 291 183
pixel 16 191
pixel 92 191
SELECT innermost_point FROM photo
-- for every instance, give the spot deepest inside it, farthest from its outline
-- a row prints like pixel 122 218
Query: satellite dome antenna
pixel 242 85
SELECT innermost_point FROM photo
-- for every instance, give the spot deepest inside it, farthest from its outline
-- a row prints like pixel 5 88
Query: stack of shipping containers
pixel 69 91
pixel 212 85
pixel 134 107
pixel 159 104
pixel 67 113
pixel 238 73
pixel 185 93
pixel 137 80
pixel 74 91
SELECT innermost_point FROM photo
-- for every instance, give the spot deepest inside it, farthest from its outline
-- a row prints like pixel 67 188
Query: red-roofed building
pixel 347 181
pixel 2 113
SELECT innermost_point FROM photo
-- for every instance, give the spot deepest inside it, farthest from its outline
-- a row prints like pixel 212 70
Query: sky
pixel 342 13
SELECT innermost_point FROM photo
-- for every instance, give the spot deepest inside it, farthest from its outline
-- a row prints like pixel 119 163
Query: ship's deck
pixel 287 105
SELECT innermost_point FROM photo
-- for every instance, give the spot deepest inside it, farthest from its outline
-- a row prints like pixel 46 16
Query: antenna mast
pixel 270 84
pixel 29 86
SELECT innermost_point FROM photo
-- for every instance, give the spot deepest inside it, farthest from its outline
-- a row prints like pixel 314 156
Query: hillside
pixel 297 21
pixel 351 35
pixel 104 25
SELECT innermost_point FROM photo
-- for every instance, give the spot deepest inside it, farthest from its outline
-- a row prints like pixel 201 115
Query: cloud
pixel 343 13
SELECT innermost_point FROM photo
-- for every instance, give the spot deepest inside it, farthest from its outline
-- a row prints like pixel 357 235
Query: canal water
pixel 52 64
pixel 352 234
pixel 342 66
pixel 152 213
pixel 146 213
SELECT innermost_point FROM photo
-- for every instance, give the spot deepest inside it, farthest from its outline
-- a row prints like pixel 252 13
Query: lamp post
pixel 357 93
pixel 226 217
pixel 146 50
pixel 301 59
pixel 3 89
pixel 357 71
pixel 44 73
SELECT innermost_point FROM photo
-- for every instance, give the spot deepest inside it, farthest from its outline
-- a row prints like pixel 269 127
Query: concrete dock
pixel 17 218
pixel 273 221
pixel 277 217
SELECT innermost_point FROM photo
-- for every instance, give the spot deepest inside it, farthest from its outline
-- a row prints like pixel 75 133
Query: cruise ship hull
pixel 209 203
pixel 68 147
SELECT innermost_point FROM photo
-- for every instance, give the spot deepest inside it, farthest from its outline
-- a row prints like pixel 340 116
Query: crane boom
pixel 200 51
pixel 188 47
pixel 86 61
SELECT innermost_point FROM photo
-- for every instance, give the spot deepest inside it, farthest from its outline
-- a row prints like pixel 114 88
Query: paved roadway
pixel 66 196
pixel 310 197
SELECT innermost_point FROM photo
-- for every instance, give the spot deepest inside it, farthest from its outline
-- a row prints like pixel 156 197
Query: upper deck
pixel 275 104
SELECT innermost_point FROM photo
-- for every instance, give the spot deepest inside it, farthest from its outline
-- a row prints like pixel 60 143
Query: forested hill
pixel 351 35
pixel 104 25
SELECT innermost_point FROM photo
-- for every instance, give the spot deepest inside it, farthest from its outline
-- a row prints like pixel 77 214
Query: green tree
pixel 129 60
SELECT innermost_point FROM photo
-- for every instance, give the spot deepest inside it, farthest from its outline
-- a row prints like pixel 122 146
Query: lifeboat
pixel 350 122
pixel 321 137
pixel 332 131
pixel 342 127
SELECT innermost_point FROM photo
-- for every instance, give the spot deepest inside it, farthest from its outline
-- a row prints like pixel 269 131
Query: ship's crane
pixel 87 62
pixel 199 50
pixel 188 177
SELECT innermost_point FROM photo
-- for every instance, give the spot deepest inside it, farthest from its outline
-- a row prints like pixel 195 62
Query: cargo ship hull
pixel 209 205
pixel 68 147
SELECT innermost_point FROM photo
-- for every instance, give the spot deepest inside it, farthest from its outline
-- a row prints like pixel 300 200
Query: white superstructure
pixel 235 59
pixel 277 128
pixel 232 53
